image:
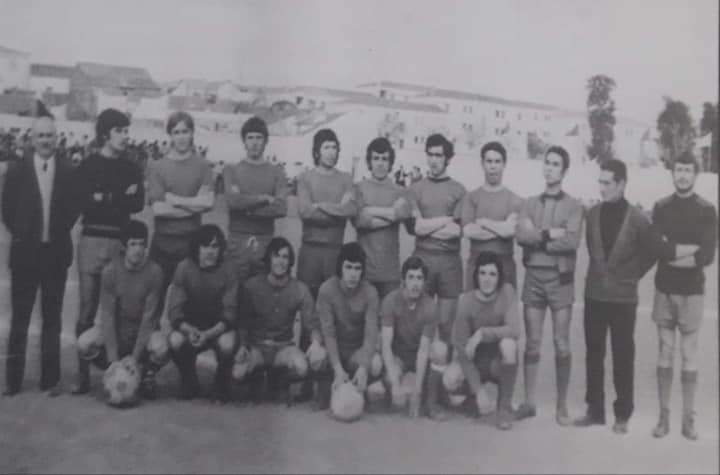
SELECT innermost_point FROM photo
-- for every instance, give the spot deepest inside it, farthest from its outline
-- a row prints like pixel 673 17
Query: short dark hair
pixel 180 116
pixel 275 245
pixel 493 147
pixel 485 258
pixel 134 229
pixel 687 158
pixel 206 234
pixel 435 140
pixel 617 167
pixel 380 145
pixel 320 137
pixel 414 263
pixel 107 120
pixel 351 252
pixel 563 154
pixel 254 124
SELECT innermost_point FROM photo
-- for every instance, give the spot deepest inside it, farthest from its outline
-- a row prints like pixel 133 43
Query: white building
pixel 50 78
pixel 14 69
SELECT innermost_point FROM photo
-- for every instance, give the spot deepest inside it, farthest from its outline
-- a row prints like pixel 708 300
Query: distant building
pixel 14 70
pixel 51 83
pixel 94 87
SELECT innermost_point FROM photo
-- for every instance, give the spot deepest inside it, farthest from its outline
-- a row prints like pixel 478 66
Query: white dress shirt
pixel 45 178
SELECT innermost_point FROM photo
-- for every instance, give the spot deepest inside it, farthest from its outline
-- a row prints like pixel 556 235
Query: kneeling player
pixel 129 292
pixel 409 322
pixel 201 309
pixel 485 334
pixel 347 307
pixel 270 302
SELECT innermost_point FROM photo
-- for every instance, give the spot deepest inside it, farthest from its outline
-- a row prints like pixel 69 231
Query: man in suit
pixel 39 210
pixel 623 246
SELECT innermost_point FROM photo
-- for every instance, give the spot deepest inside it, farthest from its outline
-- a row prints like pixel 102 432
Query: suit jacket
pixel 614 278
pixel 22 213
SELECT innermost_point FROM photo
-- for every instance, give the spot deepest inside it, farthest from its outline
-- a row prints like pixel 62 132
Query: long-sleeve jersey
pixel 267 312
pixel 409 323
pixel 433 198
pixel 244 181
pixel 348 319
pixel 103 195
pixel 318 226
pixel 494 205
pixel 203 297
pixel 690 220
pixel 496 318
pixel 128 298
pixel 381 245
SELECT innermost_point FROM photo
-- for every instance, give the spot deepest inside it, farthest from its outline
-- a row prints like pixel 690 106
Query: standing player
pixel 347 307
pixel 685 218
pixel 130 291
pixel 382 205
pixel 326 200
pixel 270 303
pixel 486 333
pixel 436 201
pixel 622 246
pixel 111 189
pixel 549 230
pixel 409 323
pixel 202 303
pixel 256 192
pixel 180 190
pixel 489 215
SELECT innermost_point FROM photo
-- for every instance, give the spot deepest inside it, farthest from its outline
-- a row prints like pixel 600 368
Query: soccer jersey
pixel 409 323
pixel 493 205
pixel 203 297
pixel 497 318
pixel 183 178
pixel 690 220
pixel 129 297
pixel 268 311
pixel 243 182
pixel 316 187
pixel 349 318
pixel 437 197
pixel 382 245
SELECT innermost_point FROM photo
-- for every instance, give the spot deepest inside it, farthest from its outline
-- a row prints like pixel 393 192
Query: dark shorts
pixel 384 288
pixel 246 254
pixel 445 276
pixel 316 264
pixel 487 360
pixel 545 287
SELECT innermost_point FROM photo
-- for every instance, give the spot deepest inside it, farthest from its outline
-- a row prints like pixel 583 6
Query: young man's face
pixel 379 164
pixel 488 277
pixel 328 154
pixel 351 274
pixel 280 263
pixel 414 282
pixel 493 166
pixel 135 251
pixel 553 170
pixel 44 137
pixel 254 145
pixel 610 190
pixel 181 137
pixel 684 177
pixel 437 163
pixel 118 139
pixel 208 254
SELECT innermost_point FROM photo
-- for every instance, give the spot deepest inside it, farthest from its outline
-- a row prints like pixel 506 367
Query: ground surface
pixel 82 435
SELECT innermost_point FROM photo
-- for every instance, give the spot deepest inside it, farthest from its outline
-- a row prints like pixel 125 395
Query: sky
pixel 535 50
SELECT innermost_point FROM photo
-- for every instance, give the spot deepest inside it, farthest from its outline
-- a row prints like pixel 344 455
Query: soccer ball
pixel 346 403
pixel 121 382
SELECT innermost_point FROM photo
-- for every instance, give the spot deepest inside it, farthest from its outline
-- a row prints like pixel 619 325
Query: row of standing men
pixel 623 245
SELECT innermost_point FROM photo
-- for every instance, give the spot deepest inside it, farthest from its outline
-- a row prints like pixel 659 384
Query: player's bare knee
pixel 176 340
pixel 453 377
pixel 562 346
pixel 376 366
pixel 438 353
pixel 158 349
pixel 226 344
pixel 297 363
pixel 508 350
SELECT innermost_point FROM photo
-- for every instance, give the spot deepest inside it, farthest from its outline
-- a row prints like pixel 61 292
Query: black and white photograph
pixel 359 236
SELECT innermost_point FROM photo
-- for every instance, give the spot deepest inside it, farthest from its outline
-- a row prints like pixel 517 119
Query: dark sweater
pixel 612 215
pixel 690 220
pixel 104 202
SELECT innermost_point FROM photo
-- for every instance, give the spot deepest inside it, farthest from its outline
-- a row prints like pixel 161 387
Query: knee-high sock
pixel 664 385
pixel 530 368
pixel 689 385
pixel 506 387
pixel 562 378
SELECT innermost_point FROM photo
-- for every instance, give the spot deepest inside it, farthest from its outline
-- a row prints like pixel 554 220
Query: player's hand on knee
pixel 360 378
pixel 484 405
pixel 316 355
